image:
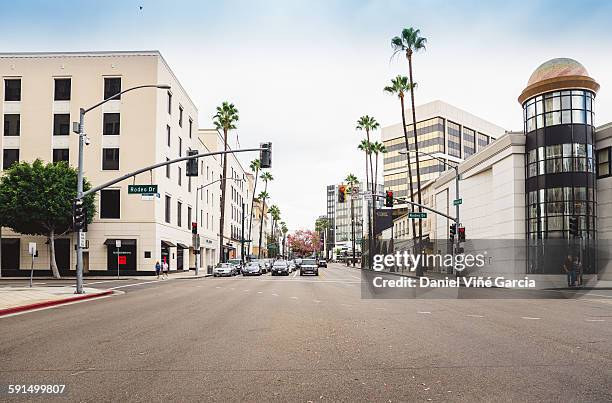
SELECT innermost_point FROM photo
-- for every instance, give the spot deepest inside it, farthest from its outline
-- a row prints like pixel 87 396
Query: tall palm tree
pixel 225 119
pixel 368 123
pixel 409 42
pixel 255 166
pixel 366 147
pixel 399 85
pixel 377 148
pixel 266 177
pixel 351 181
pixel 284 231
pixel 275 215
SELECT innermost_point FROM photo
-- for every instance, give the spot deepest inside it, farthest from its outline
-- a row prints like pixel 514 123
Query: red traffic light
pixel 194 227
pixel 389 198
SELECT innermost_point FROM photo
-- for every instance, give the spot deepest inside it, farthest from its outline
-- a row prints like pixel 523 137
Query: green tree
pixel 400 85
pixel 255 166
pixel 275 215
pixel 37 199
pixel 225 119
pixel 284 231
pixel 410 42
pixel 262 198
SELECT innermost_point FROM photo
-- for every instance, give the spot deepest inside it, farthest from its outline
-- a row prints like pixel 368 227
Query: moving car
pixel 224 270
pixel 280 268
pixel 322 263
pixel 252 269
pixel 309 266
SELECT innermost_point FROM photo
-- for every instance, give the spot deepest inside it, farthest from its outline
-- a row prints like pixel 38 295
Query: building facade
pixel 444 130
pixel 41 96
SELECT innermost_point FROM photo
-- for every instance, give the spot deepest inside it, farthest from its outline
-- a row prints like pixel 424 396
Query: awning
pixel 182 245
pixel 124 242
pixel 168 244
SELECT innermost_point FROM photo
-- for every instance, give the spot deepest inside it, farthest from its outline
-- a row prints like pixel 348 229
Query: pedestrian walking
pixel 157 269
pixel 569 270
pixel 166 269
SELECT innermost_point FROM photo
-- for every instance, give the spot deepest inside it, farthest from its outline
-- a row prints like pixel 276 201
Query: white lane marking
pixel 424 312
pixel 217 287
pixel 294 297
pixel 529 318
pixel 381 309
pixel 132 285
pixel 100 282
pixel 245 290
pixel 275 295
pixel 232 289
pixel 346 305
pixel 475 316
pixel 295 274
pixel 597 295
pixel 315 300
pixel 356 277
pixel 595 320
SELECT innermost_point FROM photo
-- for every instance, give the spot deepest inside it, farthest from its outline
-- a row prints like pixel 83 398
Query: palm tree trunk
pixel 416 144
pixel 54 268
pixel 409 165
pixel 223 183
pixel 251 219
pixel 263 208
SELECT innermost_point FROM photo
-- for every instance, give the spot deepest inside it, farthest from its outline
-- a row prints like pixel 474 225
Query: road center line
pixel 529 318
pixel 424 312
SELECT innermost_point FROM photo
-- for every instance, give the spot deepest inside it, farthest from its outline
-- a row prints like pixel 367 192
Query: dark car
pixel 322 263
pixel 280 268
pixel 309 266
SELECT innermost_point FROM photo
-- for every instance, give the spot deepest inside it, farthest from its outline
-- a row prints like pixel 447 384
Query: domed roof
pixel 555 75
pixel 558 67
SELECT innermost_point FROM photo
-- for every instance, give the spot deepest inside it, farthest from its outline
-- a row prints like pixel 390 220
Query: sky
pixel 302 72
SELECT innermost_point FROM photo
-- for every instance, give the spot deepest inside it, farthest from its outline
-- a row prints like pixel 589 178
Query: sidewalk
pixel 19 299
pixel 177 275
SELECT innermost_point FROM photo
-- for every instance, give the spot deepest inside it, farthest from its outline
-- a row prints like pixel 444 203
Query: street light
pixel 82 140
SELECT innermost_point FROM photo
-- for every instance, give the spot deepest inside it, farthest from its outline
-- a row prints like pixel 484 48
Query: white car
pixel 224 270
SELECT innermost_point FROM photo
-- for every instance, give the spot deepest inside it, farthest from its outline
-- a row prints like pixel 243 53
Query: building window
pixel 454 140
pixel 12 124
pixel 168 135
pixel 9 157
pixel 110 159
pixel 110 203
pixel 180 147
pixel 190 127
pixel 188 217
pixel 469 142
pixel 603 162
pixel 112 86
pixel 168 208
pixel 169 102
pixel 180 116
pixel 483 141
pixel 179 208
pixel 61 124
pixel 60 154
pixel 12 89
pixel 111 124
pixel 62 89
pixel 180 176
pixel 168 169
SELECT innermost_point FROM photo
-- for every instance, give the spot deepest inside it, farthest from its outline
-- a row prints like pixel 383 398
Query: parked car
pixel 224 270
pixel 309 266
pixel 322 263
pixel 237 263
pixel 252 269
pixel 280 268
pixel 264 266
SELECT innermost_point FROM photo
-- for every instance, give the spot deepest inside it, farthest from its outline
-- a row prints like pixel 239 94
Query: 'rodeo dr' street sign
pixel 142 189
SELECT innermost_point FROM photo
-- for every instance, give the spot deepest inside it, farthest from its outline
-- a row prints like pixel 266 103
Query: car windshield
pixel 234 261
pixel 280 264
pixel 308 261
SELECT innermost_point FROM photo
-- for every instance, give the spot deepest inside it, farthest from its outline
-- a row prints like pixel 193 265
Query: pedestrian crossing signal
pixel 389 198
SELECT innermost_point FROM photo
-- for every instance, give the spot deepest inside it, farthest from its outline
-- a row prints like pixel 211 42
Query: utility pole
pixel 353 225
pixel 242 240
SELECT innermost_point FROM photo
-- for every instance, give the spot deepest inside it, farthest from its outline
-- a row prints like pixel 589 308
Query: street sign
pixel 117 243
pixel 417 215
pixel 32 248
pixel 142 189
pixel 121 253
pixel 457 202
pixel 82 240
pixel 122 259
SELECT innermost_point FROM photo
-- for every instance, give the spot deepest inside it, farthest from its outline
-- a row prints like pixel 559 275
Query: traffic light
pixel 265 155
pixel 79 216
pixel 341 192
pixel 194 228
pixel 453 231
pixel 389 198
pixel 573 226
pixel 461 234
pixel 192 164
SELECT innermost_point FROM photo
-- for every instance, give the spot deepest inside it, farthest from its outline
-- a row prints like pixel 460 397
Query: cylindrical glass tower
pixel 560 170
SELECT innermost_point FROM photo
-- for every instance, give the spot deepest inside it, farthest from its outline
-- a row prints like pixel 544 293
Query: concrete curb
pixel 45 304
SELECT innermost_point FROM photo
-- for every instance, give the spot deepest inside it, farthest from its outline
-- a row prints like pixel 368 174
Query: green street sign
pixel 142 189
pixel 457 202
pixel 417 215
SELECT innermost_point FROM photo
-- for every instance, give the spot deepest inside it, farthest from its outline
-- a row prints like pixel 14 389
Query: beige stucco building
pixel 41 96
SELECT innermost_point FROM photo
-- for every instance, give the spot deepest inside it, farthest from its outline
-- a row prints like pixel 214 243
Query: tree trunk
pixel 263 208
pixel 416 144
pixel 223 183
pixel 54 268
pixel 251 219
pixel 409 165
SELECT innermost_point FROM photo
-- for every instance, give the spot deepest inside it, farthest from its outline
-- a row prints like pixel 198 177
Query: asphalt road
pixel 309 339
